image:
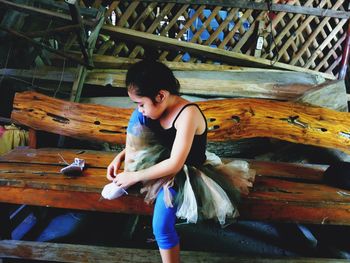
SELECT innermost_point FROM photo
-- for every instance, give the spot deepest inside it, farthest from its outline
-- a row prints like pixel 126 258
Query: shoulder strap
pixel 184 107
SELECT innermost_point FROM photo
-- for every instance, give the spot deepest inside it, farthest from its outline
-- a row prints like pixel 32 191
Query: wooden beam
pixel 73 253
pixel 242 82
pixel 263 6
pixel 216 54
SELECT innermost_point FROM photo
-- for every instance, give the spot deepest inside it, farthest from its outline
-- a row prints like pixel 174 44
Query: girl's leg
pixel 164 229
pixel 171 255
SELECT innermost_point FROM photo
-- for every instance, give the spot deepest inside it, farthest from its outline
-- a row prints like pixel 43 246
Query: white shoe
pixel 112 191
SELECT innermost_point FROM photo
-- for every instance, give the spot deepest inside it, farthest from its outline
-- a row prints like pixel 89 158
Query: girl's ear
pixel 161 96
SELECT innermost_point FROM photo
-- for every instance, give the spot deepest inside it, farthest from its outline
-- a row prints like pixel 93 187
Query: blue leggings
pixel 164 222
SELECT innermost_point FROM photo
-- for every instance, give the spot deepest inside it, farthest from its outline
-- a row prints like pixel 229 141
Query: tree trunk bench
pixel 282 192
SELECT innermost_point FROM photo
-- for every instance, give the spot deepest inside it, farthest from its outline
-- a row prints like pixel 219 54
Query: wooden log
pixel 86 253
pixel 228 119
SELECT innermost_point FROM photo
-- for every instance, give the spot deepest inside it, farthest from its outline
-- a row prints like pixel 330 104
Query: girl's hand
pixel 126 179
pixel 113 167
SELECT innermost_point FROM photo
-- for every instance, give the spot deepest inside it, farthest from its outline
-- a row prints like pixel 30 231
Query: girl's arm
pixel 187 125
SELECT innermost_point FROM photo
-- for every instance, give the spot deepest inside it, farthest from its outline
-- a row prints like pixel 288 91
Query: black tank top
pixel 196 155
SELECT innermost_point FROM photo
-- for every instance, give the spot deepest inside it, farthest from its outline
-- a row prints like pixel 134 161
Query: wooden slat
pixel 329 54
pixel 205 25
pixel 186 26
pixel 286 28
pixel 327 41
pixel 303 26
pixel 311 37
pixel 164 11
pixel 87 253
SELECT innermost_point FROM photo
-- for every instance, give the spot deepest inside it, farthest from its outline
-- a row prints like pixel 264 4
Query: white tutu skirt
pixel 208 191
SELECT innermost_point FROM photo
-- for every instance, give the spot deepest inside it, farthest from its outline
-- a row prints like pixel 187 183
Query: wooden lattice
pixel 308 41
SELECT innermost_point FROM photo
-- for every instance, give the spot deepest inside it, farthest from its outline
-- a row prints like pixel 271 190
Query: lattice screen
pixel 302 40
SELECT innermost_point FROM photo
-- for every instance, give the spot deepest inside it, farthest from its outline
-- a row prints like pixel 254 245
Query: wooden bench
pixel 283 192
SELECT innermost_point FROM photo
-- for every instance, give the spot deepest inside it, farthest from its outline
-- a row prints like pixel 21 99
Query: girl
pixel 167 136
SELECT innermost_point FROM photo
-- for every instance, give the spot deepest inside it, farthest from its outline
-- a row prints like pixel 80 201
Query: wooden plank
pixel 86 253
pixel 264 6
pixel 203 51
pixel 228 119
pixel 287 211
pixel 240 82
pixel 101 159
pixel 57 156
pixel 288 201
pixel 88 201
pixel 48 177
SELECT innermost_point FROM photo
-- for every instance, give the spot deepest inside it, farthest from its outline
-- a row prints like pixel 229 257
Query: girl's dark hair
pixel 146 78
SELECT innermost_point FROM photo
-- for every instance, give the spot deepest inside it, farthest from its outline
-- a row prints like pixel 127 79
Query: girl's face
pixel 146 106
